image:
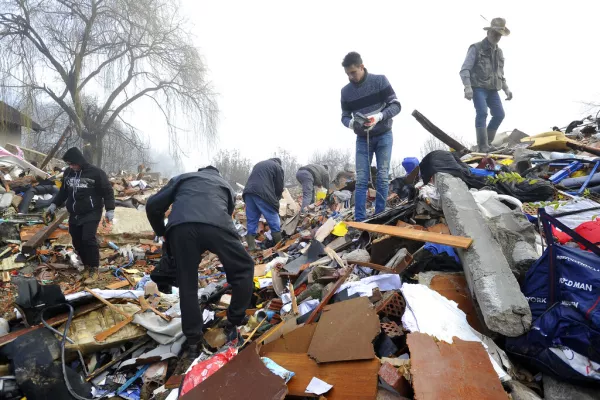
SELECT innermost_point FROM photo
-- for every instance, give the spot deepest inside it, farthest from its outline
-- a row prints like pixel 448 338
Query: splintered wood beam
pixel 38 239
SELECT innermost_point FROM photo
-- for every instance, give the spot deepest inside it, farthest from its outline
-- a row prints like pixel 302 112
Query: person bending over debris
pixel 87 190
pixel 482 74
pixel 368 105
pixel 200 220
pixel 310 176
pixel 261 195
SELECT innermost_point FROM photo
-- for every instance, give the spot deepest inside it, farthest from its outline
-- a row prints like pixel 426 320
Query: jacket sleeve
pixel 392 104
pixel 278 182
pixel 346 112
pixel 231 200
pixel 468 64
pixel 106 191
pixel 61 197
pixel 157 206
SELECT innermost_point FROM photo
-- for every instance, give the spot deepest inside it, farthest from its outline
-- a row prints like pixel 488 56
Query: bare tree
pixel 290 165
pixel 123 148
pixel 119 50
pixel 232 166
pixel 336 159
pixel 396 168
pixel 432 143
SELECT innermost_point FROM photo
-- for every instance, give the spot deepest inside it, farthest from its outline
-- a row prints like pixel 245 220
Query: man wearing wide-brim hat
pixel 482 75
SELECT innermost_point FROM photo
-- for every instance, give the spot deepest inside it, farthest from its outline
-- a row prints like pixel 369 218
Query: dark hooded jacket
pixel 319 174
pixel 202 197
pixel 266 182
pixel 86 191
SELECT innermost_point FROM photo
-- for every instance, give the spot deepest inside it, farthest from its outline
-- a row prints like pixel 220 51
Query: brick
pixel 389 374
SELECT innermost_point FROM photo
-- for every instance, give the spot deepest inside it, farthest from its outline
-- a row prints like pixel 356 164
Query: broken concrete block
pixel 357 255
pixel 516 236
pixel 557 390
pixel 518 391
pixel 504 308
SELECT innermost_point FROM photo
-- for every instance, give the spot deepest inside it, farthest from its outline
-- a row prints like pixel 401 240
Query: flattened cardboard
pixel 244 377
pixel 461 370
pixel 345 332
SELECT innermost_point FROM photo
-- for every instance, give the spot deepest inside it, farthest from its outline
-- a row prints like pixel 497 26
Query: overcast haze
pixel 276 67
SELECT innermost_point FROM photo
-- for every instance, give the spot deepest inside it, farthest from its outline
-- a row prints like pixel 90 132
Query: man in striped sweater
pixel 373 97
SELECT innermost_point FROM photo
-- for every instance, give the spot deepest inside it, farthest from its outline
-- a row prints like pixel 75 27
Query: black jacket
pixel 319 173
pixel 85 191
pixel 266 182
pixel 202 196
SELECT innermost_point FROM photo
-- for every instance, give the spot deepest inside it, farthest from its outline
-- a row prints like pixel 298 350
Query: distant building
pixel 11 121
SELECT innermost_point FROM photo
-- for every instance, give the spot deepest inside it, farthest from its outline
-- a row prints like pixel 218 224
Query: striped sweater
pixel 370 96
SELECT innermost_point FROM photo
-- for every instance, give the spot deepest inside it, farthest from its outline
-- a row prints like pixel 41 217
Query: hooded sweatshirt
pixel 85 191
pixel 266 182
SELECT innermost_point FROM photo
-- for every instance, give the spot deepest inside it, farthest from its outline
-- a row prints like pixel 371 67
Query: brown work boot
pixel 90 276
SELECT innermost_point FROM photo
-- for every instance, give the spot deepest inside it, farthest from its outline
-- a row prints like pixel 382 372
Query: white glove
pixel 51 209
pixel 351 124
pixel 374 119
pixel 508 94
pixel 468 93
pixel 110 215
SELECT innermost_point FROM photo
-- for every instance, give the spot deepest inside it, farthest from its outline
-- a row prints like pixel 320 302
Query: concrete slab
pixel 557 390
pixel 493 284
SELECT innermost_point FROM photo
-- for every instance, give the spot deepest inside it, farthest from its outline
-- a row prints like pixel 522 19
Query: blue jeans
pixel 381 147
pixel 255 207
pixel 482 99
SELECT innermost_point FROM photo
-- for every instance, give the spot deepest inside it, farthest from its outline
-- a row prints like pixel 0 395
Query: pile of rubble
pixel 480 280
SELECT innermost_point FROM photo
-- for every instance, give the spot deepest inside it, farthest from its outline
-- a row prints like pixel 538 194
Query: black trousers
pixel 39 189
pixel 85 242
pixel 186 243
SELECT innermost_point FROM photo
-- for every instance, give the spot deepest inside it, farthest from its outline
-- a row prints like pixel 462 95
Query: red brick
pixel 389 374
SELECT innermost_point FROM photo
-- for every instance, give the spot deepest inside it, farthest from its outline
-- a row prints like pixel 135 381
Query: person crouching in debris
pixel 482 74
pixel 261 195
pixel 201 206
pixel 368 105
pixel 86 190
pixel 311 176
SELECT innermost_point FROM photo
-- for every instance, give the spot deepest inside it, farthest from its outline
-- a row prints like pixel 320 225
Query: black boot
pixel 201 346
pixel 251 239
pixel 482 140
pixel 276 237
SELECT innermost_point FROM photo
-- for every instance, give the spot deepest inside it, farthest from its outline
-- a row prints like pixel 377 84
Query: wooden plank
pixel 118 285
pixel 412 234
pixel 294 301
pixel 351 380
pixel 55 321
pixel 438 133
pixel 578 146
pixel 102 336
pixel 38 239
pixel 326 299
pixel 374 266
pixel 109 304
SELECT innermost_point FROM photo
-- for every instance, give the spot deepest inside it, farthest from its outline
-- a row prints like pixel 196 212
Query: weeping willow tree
pixel 116 51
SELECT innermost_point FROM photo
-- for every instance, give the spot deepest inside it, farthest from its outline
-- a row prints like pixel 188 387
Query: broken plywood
pixel 345 332
pixel 244 377
pixel 297 341
pixel 351 380
pixel 461 370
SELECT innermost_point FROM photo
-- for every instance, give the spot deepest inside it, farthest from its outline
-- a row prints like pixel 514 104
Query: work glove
pixel 351 124
pixel 373 120
pixel 51 209
pixel 468 93
pixel 110 215
pixel 508 94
